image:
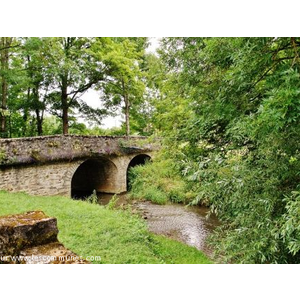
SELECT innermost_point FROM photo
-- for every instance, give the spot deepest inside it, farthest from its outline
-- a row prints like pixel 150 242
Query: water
pixel 189 225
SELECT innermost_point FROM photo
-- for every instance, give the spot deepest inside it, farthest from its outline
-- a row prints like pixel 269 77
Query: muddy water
pixel 186 224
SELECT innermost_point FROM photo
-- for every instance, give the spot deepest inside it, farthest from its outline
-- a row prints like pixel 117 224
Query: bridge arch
pixel 139 159
pixel 98 174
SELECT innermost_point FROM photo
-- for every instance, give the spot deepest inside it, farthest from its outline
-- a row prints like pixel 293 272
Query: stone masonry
pixel 31 238
pixel 46 165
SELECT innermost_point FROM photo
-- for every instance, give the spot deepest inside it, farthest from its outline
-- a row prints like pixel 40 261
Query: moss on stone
pixel 2 155
pixel 53 144
pixel 35 154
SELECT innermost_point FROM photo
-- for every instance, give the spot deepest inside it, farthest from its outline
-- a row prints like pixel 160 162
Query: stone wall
pixel 46 165
pixel 48 179
pixel 39 150
pixel 55 178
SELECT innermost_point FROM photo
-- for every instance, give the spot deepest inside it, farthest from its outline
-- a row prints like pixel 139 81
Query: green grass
pixel 92 230
pixel 154 195
pixel 160 182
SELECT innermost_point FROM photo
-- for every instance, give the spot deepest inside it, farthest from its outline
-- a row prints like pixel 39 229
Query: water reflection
pixel 186 224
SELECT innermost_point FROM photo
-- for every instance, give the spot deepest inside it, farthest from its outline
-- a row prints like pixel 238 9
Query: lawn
pixel 117 236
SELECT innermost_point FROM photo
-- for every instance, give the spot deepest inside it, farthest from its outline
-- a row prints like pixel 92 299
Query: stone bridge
pixel 70 165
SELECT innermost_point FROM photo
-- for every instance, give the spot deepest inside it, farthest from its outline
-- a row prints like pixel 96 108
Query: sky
pixel 91 97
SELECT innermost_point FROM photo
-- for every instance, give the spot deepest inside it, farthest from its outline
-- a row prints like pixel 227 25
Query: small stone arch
pixel 98 174
pixel 139 159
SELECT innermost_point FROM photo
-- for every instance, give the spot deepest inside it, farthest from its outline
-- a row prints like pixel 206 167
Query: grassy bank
pixel 92 230
pixel 159 182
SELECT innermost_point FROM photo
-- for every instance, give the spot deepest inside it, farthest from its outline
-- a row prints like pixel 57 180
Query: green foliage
pixel 239 146
pixel 116 236
pixel 52 125
pixel 124 88
pixel 290 226
pixel 159 182
pixel 50 75
pixel 2 155
pixel 155 195
pixel 112 202
pixel 93 199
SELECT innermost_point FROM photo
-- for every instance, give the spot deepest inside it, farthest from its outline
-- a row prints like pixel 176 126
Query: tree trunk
pixel 5 44
pixel 39 122
pixel 127 105
pixel 64 90
pixel 65 121
pixel 3 107
pixel 65 107
pixel 26 113
pixel 38 108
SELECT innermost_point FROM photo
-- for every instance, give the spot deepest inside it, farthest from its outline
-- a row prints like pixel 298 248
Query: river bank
pixel 188 224
pixel 117 236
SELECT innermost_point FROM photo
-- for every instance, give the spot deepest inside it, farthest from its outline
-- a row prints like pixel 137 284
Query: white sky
pixel 92 98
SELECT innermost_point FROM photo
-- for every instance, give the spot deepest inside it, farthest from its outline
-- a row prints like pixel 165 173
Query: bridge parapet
pixel 40 150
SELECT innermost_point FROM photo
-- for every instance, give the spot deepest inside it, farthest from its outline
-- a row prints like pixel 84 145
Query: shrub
pixel 159 182
pixel 155 195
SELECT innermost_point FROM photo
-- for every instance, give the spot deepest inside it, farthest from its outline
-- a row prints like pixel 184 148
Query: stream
pixel 189 225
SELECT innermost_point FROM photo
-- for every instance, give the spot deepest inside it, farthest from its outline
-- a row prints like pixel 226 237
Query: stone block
pixel 26 230
pixel 31 238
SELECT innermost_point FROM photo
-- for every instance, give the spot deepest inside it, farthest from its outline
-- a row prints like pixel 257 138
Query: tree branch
pixel 9 47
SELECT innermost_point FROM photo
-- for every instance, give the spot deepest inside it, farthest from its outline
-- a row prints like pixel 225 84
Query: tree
pixel 124 84
pixel 5 45
pixel 51 75
pixel 76 67
pixel 238 146
pixel 30 80
pixel 36 54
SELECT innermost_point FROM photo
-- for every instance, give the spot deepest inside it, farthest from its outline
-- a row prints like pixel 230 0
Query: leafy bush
pixel 239 149
pixel 157 181
pixel 155 195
